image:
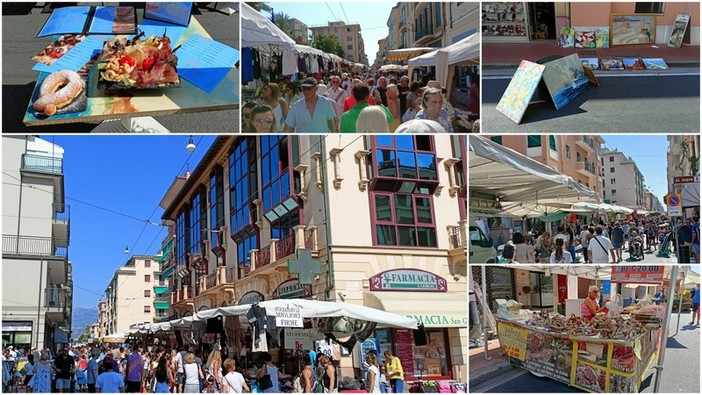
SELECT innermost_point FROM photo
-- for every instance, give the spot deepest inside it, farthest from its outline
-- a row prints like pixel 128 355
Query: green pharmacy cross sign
pixel 304 266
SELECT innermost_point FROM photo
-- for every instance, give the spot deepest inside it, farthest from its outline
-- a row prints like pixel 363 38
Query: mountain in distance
pixel 81 319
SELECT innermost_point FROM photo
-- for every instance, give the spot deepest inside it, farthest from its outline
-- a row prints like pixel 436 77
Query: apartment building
pixel 102 319
pixel 130 295
pixel 349 37
pixel 36 312
pixel 622 182
pixel 348 209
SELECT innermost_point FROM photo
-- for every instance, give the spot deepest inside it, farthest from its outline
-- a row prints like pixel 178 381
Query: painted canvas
pixel 679 28
pixel 602 37
pixel 633 29
pixel 591 63
pixel 584 40
pixel 634 64
pixel 521 88
pixel 611 64
pixel 655 64
pixel 590 74
pixel 567 37
pixel 565 79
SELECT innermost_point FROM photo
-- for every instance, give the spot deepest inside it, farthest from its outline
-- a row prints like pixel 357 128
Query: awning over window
pixel 433 309
pixel 164 253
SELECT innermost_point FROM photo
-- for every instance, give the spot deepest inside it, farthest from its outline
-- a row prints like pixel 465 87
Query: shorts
pixel 616 245
pixel 695 307
pixel 696 248
pixel 63 384
pixel 91 388
pixel 180 378
pixel 133 387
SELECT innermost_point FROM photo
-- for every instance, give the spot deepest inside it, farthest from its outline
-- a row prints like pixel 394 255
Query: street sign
pixel 674 203
pixel 683 180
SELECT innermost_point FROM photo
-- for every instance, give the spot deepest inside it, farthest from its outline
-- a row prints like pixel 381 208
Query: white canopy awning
pixel 690 195
pixel 257 31
pixel 393 67
pixel 604 207
pixel 513 177
pixel 464 51
pixel 307 49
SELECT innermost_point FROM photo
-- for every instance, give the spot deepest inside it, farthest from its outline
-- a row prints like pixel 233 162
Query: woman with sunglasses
pixel 246 110
pixel 263 120
pixel 591 305
pixel 272 96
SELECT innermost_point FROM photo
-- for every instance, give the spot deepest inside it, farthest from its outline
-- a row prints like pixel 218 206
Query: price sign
pixel 325 348
pixel 639 274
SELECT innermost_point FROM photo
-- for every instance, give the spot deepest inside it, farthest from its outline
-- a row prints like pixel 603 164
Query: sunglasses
pixel 267 121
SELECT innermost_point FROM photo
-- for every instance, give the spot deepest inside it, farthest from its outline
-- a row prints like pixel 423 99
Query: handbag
pixel 265 382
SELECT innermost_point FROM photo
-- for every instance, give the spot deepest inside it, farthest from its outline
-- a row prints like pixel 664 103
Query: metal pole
pixel 485 308
pixel 682 286
pixel 664 332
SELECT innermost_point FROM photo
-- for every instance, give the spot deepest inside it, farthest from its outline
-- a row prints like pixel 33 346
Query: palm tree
pixel 260 7
pixel 285 23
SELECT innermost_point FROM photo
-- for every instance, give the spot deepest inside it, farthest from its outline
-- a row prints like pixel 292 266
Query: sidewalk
pixel 509 55
pixel 480 370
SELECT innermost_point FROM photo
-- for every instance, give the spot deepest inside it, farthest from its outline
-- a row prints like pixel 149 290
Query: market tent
pixel 513 177
pixel 309 50
pixel 392 68
pixel 462 52
pixel 690 195
pixel 400 55
pixel 258 31
pixel 115 338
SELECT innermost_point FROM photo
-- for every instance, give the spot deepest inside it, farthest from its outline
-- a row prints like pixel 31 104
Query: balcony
pixel 458 245
pixel 42 164
pixel 184 294
pixel 423 33
pixel 588 169
pixel 285 247
pixel 587 143
pixel 161 317
pixel 222 280
pixel 55 298
pixel 61 220
pixel 35 246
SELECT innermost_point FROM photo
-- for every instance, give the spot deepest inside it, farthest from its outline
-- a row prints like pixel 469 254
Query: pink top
pixel 585 312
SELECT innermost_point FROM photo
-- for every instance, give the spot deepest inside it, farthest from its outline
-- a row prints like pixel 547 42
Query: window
pixel 349 46
pixel 611 181
pixel 198 221
pixel 349 38
pixel 147 263
pixel 147 309
pixel 497 139
pixel 611 169
pixel 181 240
pixel 649 8
pixel 147 278
pixel 614 192
pixel 147 293
pixel 552 143
pixel 533 141
pixel 243 190
pixel 216 203
pixel 404 220
pixel 577 154
pixel 437 14
pixel 405 157
pixel 336 30
pixel 611 159
pixel 567 152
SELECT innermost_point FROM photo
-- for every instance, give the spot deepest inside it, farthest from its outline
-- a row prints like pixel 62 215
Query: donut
pixel 58 90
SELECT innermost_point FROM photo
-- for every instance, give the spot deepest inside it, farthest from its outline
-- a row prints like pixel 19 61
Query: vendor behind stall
pixel 591 306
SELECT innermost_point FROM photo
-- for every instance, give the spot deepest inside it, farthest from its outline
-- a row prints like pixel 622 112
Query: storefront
pixel 17 334
pixel 436 352
pixel 518 21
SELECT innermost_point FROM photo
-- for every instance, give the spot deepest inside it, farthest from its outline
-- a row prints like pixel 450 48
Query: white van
pixel 480 249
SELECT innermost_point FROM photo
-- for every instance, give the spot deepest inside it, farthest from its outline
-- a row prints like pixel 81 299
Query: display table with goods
pixel 607 354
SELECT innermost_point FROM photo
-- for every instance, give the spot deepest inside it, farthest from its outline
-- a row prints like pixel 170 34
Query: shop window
pixel 533 141
pixel 649 8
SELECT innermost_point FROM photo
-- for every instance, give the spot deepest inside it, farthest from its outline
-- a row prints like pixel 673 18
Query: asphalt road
pixel 20 25
pixel 681 373
pixel 661 102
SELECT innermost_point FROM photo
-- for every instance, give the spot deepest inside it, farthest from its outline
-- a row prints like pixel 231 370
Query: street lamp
pixel 191 145
pixel 126 249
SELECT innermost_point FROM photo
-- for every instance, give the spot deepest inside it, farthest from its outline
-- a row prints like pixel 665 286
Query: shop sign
pixel 16 326
pixel 301 339
pixel 288 316
pixel 440 321
pixel 366 346
pixel 408 280
pixel 292 289
pixel 637 274
pixel 252 297
pixel 513 340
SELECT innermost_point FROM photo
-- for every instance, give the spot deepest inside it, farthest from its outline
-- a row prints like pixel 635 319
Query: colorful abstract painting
pixel 584 40
pixel 565 79
pixel 566 38
pixel 521 88
pixel 602 37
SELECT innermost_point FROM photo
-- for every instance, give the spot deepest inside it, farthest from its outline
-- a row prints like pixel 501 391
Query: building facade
pixel 623 183
pixel 102 319
pixel 130 295
pixel 527 21
pixel 429 24
pixel 36 312
pixel 349 37
pixel 359 206
pixel 462 20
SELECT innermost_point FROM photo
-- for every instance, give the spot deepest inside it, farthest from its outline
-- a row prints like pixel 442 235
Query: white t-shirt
pixel 567 258
pixel 600 255
pixel 192 376
pixel 234 382
pixel 179 362
pixel 375 389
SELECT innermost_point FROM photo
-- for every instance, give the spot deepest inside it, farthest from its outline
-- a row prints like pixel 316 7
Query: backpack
pixel 297 386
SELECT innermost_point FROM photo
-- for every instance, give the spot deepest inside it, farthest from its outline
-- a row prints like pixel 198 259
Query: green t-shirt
pixel 349 118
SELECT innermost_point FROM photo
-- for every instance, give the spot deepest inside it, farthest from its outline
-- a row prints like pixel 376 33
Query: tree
pixel 260 7
pixel 328 43
pixel 285 23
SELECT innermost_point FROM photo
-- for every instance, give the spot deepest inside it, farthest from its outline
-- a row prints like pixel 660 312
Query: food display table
pixel 590 363
pixel 137 104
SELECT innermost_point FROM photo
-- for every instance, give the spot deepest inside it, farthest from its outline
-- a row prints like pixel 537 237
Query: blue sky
pixel 372 16
pixel 127 175
pixel 650 154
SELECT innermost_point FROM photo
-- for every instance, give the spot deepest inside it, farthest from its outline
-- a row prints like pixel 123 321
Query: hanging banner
pixel 637 274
